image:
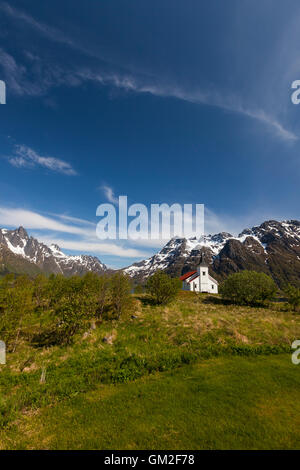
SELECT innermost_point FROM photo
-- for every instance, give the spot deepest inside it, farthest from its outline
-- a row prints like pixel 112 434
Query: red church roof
pixel 186 275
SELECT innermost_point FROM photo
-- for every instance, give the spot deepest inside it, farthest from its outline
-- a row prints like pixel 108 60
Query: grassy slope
pixel 224 403
pixel 217 401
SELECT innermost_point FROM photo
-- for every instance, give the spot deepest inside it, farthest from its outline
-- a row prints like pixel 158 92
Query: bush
pixel 97 289
pixel 120 291
pixel 72 307
pixel 15 305
pixel 40 292
pixel 248 288
pixel 61 306
pixel 293 296
pixel 139 289
pixel 162 287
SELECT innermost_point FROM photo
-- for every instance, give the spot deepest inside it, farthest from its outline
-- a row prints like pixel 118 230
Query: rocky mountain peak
pixel 46 259
pixel 22 233
pixel 272 247
pixel 220 237
pixel 55 247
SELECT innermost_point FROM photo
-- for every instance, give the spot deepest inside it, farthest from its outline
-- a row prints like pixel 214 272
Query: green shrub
pixel 248 288
pixel 72 307
pixel 15 304
pixel 162 287
pixel 97 288
pixel 293 296
pixel 40 292
pixel 139 289
pixel 120 291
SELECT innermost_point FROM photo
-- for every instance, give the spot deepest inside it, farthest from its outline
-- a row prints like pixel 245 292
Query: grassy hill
pixel 196 374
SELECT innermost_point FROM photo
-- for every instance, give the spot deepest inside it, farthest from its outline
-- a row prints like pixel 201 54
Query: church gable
pixel 200 279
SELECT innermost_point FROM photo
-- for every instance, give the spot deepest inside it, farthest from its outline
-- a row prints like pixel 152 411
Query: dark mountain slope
pixel 22 253
pixel 273 248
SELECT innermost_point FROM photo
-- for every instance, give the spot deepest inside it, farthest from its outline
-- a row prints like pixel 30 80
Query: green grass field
pixel 192 375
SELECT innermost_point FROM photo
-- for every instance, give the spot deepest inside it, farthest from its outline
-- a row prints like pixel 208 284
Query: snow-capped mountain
pixel 273 247
pixel 179 250
pixel 42 257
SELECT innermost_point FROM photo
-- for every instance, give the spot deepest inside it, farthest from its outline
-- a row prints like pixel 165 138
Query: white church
pixel 200 280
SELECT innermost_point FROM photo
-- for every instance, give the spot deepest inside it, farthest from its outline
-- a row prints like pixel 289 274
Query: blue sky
pixel 172 101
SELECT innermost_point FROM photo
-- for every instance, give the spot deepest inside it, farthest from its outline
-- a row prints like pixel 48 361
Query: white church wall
pixel 202 283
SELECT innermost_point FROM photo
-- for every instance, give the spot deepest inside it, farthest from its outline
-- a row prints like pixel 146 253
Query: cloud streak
pixel 77 235
pixel 51 33
pixel 51 76
pixel 27 157
pixel 32 220
pixel 227 102
pixel 109 194
pixel 100 248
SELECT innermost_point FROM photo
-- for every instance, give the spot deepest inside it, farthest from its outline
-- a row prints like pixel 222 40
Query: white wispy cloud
pixel 57 75
pixel 270 121
pixel 226 102
pixel 35 76
pixel 13 217
pixel 50 32
pixel 77 235
pixel 14 74
pixel 76 220
pixel 27 157
pixel 100 248
pixel 54 34
pixel 109 194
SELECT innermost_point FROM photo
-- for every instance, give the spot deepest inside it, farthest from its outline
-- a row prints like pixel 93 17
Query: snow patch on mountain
pixel 48 259
pixel 213 244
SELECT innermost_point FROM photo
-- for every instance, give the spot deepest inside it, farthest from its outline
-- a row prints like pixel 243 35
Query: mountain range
pixel 272 247
pixel 20 253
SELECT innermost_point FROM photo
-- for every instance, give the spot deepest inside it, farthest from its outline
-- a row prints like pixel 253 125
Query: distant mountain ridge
pixel 272 247
pixel 21 253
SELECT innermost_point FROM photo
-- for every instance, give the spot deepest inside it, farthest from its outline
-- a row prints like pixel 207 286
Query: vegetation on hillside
pixel 162 287
pixel 293 296
pixel 248 288
pixel 59 307
pixel 68 337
